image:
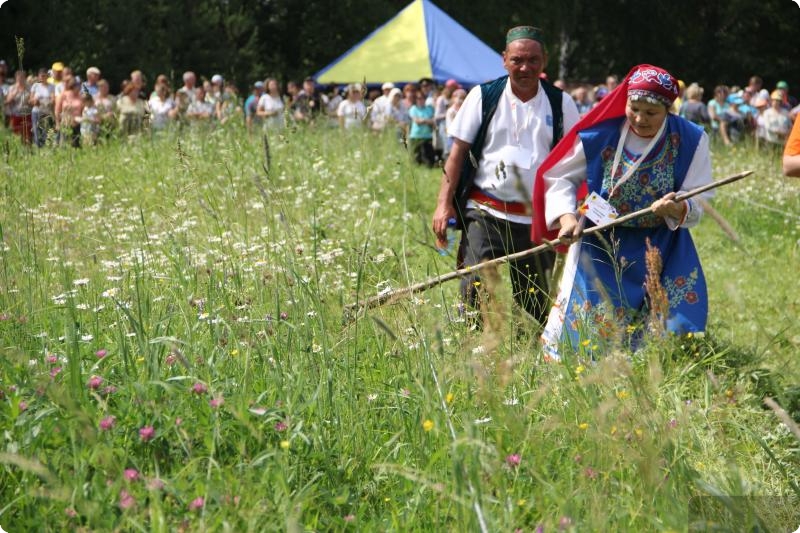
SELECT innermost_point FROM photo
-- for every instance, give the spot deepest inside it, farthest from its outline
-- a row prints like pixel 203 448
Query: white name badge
pixel 598 210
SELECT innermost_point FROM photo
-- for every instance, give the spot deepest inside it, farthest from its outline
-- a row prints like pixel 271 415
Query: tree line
pixel 709 42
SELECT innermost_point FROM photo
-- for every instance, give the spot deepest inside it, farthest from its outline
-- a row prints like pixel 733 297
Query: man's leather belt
pixel 512 208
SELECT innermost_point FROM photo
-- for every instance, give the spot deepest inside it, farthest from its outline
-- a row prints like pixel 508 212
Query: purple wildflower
pixel 197 503
pixel 126 501
pixel 146 433
pixel 107 423
pixel 215 403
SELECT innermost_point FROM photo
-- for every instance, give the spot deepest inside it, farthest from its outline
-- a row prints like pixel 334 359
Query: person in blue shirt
pixel 421 134
pixel 251 119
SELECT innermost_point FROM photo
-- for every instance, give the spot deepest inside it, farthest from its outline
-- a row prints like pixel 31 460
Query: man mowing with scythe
pixel 502 133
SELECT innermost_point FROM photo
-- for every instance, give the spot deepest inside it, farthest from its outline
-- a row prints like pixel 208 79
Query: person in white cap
pixel 214 91
pixel 352 111
pixel 381 108
pixel 189 81
pixel 90 85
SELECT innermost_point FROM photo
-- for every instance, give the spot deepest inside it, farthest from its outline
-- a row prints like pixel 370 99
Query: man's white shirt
pixel 517 141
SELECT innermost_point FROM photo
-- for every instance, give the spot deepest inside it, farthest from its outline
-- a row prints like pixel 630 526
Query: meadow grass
pixel 175 356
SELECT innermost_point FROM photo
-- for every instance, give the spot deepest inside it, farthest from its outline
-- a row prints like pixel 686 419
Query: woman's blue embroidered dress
pixel 602 296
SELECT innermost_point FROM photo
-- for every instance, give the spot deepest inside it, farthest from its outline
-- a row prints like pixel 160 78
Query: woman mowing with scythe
pixel 627 153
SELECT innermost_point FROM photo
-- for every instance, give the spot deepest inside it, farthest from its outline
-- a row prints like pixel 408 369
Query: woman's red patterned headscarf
pixel 653 84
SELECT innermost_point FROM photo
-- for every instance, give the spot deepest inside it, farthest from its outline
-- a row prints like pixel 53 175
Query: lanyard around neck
pixel 528 114
pixel 621 146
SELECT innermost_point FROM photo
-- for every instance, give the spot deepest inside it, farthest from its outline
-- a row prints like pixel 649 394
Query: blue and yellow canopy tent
pixel 421 41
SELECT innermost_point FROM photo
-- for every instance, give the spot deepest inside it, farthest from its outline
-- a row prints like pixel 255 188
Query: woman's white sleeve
pixel 699 174
pixel 561 183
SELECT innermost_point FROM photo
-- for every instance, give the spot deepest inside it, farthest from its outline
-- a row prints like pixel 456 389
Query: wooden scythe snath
pixel 396 294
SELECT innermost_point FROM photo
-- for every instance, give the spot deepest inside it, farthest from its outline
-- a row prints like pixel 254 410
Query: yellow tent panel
pixel 396 51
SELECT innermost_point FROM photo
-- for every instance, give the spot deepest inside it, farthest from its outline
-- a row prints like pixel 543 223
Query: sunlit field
pixel 176 355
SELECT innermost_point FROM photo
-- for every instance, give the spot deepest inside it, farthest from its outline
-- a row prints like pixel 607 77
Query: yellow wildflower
pixel 449 398
pixel 427 425
pixel 285 444
pixel 583 425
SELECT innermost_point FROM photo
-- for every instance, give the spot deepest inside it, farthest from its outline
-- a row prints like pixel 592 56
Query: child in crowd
pixel 420 135
pixel 90 121
pixel 181 108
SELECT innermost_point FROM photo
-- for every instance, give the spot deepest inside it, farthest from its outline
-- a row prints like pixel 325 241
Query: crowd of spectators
pixel 731 115
pixel 59 106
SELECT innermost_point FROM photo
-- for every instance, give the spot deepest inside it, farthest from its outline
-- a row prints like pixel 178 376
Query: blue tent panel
pixel 456 53
pixel 420 41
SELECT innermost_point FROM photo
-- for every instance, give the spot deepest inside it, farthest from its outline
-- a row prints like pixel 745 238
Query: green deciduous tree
pixel 709 42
